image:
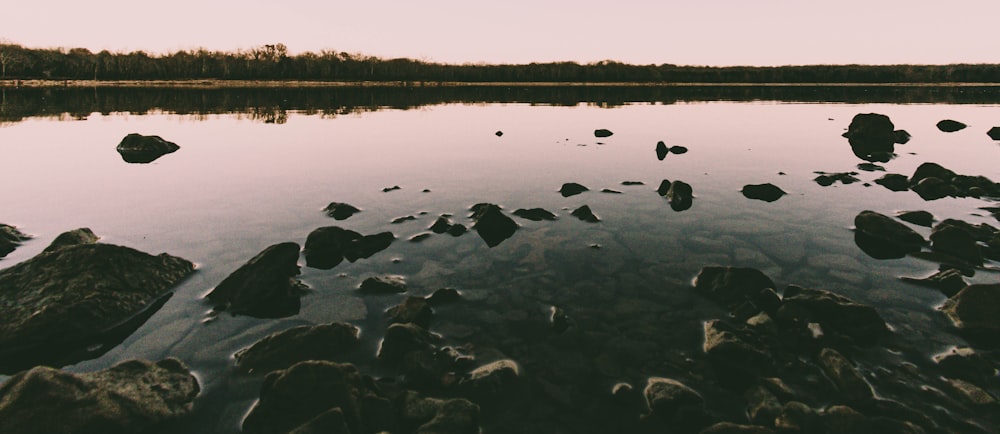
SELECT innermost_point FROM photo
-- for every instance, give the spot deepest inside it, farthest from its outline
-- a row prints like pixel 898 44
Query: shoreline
pixel 235 84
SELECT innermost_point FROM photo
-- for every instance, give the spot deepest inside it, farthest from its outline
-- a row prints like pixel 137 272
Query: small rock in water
pixel 602 133
pixel 826 179
pixel 584 213
pixel 571 188
pixel 393 188
pixel 663 188
pixel 414 309
pixel 871 167
pixel 976 308
pixel 499 133
pixel 283 349
pixel 535 214
pixel 492 225
pixel 444 296
pixel 994 133
pixel 610 191
pixel 383 285
pixel 919 218
pixel 680 196
pixel 894 182
pixel 947 281
pixel 950 126
pixel 661 150
pixel 884 238
pixel 137 148
pixel 633 183
pixel 765 192
pixel 340 211
pixel 402 219
pixel 677 149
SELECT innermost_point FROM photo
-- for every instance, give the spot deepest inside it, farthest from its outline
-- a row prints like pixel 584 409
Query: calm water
pixel 239 184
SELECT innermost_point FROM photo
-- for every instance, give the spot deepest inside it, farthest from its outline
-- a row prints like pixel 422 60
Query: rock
pixel 416 238
pixel 444 296
pixel 10 238
pixel 383 285
pixel 602 133
pixel 441 225
pixel 957 242
pixel 680 196
pixel 283 349
pixel 797 417
pixel 584 213
pixel 499 133
pixel 948 281
pixel 869 167
pixel 666 396
pixel 401 339
pixel 293 397
pixel 889 233
pixel 663 188
pixel 950 126
pixel 416 310
pixel 331 421
pixel 134 396
pixel 677 149
pixel 827 179
pixel 73 238
pixel 610 191
pixel 328 246
pixel 571 189
pixel 931 170
pixel 535 214
pixel 58 303
pixel 894 182
pixel 137 148
pixel 845 376
pixel 967 364
pixel 732 428
pixel 432 369
pixel 871 136
pixel 971 393
pixel 729 286
pixel 835 313
pixel 454 416
pixel 732 354
pixel 933 188
pixel 393 188
pixel 457 230
pixel 633 183
pixel 994 133
pixel 340 211
pixel 403 219
pixel 901 137
pixel 976 308
pixel 558 320
pixel 661 150
pixel 765 192
pixel 919 218
pixel 841 419
pixel 264 287
pixel 762 406
pixel 492 225
pixel 492 383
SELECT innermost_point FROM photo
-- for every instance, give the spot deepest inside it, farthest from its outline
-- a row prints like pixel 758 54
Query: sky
pixel 689 32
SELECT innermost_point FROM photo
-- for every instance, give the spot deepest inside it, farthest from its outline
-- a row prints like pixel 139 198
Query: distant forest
pixel 272 62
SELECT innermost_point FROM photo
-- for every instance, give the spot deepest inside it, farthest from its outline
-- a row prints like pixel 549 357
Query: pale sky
pixel 690 32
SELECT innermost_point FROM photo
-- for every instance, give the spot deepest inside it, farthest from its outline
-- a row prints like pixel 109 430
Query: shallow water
pixel 238 185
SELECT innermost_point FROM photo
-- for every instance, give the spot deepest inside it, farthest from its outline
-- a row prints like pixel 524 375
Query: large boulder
pixel 680 195
pixel 328 246
pixel 265 286
pixel 135 396
pixel 976 308
pixel 872 136
pixel 836 314
pixel 492 225
pixel 10 238
pixel 137 148
pixel 883 237
pixel 283 349
pixel 64 300
pixel 295 396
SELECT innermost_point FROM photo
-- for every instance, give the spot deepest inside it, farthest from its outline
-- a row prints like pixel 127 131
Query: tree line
pixel 272 62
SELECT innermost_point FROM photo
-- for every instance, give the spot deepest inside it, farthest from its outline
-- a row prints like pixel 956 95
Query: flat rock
pixel 571 189
pixel 535 214
pixel 827 179
pixel 889 232
pixel 340 211
pixel 137 148
pixel 134 396
pixel 264 287
pixel 976 308
pixel 950 126
pixel 283 349
pixel 383 285
pixel 62 300
pixel 765 192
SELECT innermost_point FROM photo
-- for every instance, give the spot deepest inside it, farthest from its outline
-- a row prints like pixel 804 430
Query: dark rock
pixel 58 303
pixel 293 397
pixel 608 190
pixel 845 376
pixel 73 238
pixel 10 238
pixel 265 286
pixel 950 126
pixel 835 313
pixel 558 320
pixel 901 136
pixel 931 170
pixel 441 225
pixel 948 281
pixel 869 167
pixel 732 354
pixel 666 396
pixel 137 148
pixel 677 149
pixel 730 286
pixel 762 406
pixel 402 219
pixel 602 133
pixel 492 383
pixel 797 417
pixel 331 421
pixel 871 136
pixel 976 308
pixel 967 364
pixel 283 349
pixel 393 188
pixel 957 242
pixel 994 133
pixel 633 183
pixel 444 296
pixel 765 192
pixel 535 214
pixel 841 419
pixel 414 309
pixel 571 189
pixel 827 179
pixel 680 196
pixel 970 393
pixel 894 182
pixel 418 237
pixel 919 218
pixel 890 233
pixel 661 150
pixel 134 396
pixel 340 211
pixel 454 416
pixel 383 285
pixel 932 188
pixel 663 188
pixel 492 225
pixel 733 428
pixel 584 213
pixel 328 246
pixel 401 339
pixel 499 133
pixel 432 369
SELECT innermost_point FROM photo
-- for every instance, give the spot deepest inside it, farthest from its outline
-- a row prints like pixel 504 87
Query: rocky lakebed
pixel 582 310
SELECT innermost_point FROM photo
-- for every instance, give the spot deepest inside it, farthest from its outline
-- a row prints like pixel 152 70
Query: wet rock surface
pixel 872 137
pixel 67 298
pixel 137 148
pixel 264 287
pixel 131 397
pixel 10 238
pixel 680 195
pixel 492 225
pixel 883 237
pixel 765 192
pixel 283 349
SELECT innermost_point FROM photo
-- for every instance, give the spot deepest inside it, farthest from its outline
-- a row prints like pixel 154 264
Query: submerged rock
pixel 134 396
pixel 535 214
pixel 950 126
pixel 10 238
pixel 137 148
pixel 976 308
pixel 328 246
pixel 827 179
pixel 63 300
pixel 340 211
pixel 571 189
pixel 414 309
pixel 955 241
pixel 602 133
pixel 492 225
pixel 584 213
pixel 765 192
pixel 265 286
pixel 947 281
pixel 283 349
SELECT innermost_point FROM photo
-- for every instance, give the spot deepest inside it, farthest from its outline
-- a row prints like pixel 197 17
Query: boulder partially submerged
pixel 137 148
pixel 67 298
pixel 134 396
pixel 328 246
pixel 873 136
pixel 10 238
pixel 264 287
pixel 765 192
pixel 283 349
pixel 492 225
pixel 883 237
pixel 976 308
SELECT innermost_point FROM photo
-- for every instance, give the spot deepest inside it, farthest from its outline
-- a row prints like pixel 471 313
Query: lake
pixel 257 167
